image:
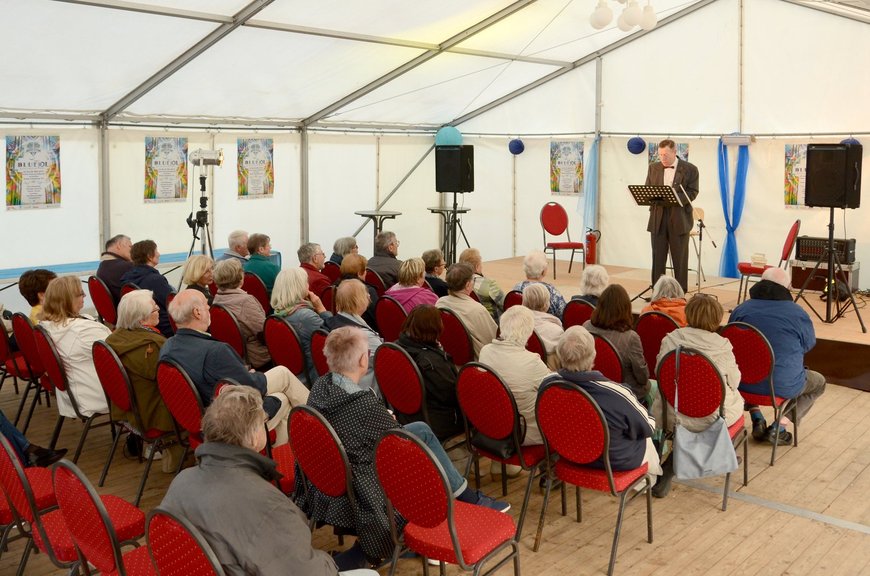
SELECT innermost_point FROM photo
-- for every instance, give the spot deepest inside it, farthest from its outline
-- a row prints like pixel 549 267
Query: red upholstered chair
pixel 42 489
pixel 390 315
pixel 178 548
pixel 33 369
pixel 253 285
pixel 400 382
pixel 54 370
pixel 284 346
pixel 652 327
pixel 513 298
pixel 702 392
pixel 755 358
pixel 318 343
pixel 576 313
pixel 103 300
pixel 490 414
pixel 93 528
pixel 455 338
pixel 536 345
pixel 554 221
pixel 225 327
pixel 116 384
pixel 331 270
pixel 607 359
pixel 183 401
pixel 127 288
pixel 169 298
pixel 439 526
pixel 748 271
pixel 374 280
pixel 327 297
pixel 11 363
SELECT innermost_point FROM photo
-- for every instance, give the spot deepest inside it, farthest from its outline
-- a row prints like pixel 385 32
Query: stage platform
pixel 842 352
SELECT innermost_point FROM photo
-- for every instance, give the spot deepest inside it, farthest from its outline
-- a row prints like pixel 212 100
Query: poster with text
pixel 256 171
pixel 165 169
pixel 682 152
pixel 795 174
pixel 32 172
pixel 566 167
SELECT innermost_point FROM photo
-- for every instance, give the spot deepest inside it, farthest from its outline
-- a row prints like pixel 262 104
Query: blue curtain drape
pixel 732 208
pixel 590 188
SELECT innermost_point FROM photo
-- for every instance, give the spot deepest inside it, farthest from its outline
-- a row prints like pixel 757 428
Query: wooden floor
pixel 809 514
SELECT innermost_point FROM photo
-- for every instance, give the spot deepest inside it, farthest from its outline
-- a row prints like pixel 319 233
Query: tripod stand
pixel 835 271
pixel 199 224
pixel 698 272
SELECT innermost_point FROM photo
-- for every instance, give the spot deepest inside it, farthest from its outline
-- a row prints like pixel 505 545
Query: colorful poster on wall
pixel 165 169
pixel 682 151
pixel 795 174
pixel 566 167
pixel 256 171
pixel 32 172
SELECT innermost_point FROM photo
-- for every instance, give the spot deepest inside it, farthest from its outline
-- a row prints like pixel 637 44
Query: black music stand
pixel 664 196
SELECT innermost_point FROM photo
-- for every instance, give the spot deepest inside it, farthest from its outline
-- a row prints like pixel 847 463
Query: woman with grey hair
pixel 292 300
pixel 593 281
pixel 229 277
pixel 549 328
pixel 342 247
pixel 668 297
pixel 535 268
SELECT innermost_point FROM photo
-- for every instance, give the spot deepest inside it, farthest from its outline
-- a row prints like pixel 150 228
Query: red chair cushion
pixel 747 269
pixel 760 399
pixel 137 562
pixel 565 245
pixel 283 456
pixel 596 479
pixel 128 520
pixel 16 366
pixel 532 456
pixel 480 530
pixel 58 536
pixel 737 427
pixel 42 487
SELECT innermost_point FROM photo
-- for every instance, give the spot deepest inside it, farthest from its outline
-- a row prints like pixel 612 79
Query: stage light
pixel 207 157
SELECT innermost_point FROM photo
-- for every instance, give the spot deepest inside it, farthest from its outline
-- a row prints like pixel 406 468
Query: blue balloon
pixel 448 136
pixel 516 146
pixel 850 140
pixel 636 145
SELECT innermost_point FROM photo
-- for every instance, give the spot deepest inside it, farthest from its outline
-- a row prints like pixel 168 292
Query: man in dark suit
pixel 669 227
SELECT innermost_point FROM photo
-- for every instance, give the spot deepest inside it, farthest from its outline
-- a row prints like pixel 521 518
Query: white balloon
pixel 602 16
pixel 648 21
pixel 632 13
pixel 625 27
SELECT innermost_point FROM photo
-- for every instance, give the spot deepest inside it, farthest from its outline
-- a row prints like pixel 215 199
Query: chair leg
pixel 503 479
pixel 579 503
pixel 145 472
pixel 395 560
pixel 564 500
pixel 543 514
pixel 554 264
pixel 22 402
pixel 30 412
pixel 82 437
pixel 477 473
pixel 109 458
pixel 24 557
pixel 649 525
pixel 56 434
pixel 725 492
pixel 745 459
pixel 525 503
pixel 571 261
pixel 617 532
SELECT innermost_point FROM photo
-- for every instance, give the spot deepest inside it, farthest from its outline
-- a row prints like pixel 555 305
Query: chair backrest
pixel 752 351
pixel 284 344
pixel 487 403
pixel 319 452
pixel 412 479
pixel 790 241
pixel 181 398
pixel 697 213
pixel 15 484
pixel 607 359
pixel 23 331
pixel 86 518
pixel 169 298
pixel 128 287
pixel 513 298
pixel 254 286
pixel 178 548
pixel 455 338
pixel 225 327
pixel 318 356
pixel 399 380
pixel 701 386
pixel 327 297
pixel 115 380
pixel 52 363
pixel 5 353
pixel 576 313
pixel 331 270
pixel 103 300
pixel 536 345
pixel 652 327
pixel 390 315
pixel 374 280
pixel 554 219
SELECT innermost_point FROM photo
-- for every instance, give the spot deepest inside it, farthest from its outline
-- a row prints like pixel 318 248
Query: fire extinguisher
pixel 592 238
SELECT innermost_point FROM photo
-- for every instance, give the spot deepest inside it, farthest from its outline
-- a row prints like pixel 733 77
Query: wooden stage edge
pixel 842 351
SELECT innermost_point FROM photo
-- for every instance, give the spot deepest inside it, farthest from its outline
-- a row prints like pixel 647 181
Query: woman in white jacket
pixel 74 335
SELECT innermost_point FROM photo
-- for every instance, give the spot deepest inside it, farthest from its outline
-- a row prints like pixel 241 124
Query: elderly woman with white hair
pixel 292 300
pixel 410 291
pixel 549 328
pixel 342 247
pixel 593 281
pixel 521 370
pixel 487 290
pixel 535 268
pixel 229 277
pixel 668 297
pixel 198 274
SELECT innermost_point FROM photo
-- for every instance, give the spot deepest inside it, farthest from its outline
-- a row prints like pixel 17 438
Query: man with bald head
pixel 790 332
pixel 207 360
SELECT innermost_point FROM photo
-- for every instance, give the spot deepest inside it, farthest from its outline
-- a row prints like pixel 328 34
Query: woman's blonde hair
pixel 196 268
pixel 704 312
pixel 352 296
pixel 291 288
pixel 60 299
pixel 411 271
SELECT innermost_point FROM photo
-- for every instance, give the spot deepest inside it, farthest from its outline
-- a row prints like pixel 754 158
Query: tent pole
pixel 105 204
pixel 303 186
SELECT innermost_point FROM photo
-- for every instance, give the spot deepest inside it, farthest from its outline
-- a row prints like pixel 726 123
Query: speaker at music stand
pixel 454 168
pixel 833 178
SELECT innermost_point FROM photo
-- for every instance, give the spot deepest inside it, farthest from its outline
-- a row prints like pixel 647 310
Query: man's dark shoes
pixel 43 457
pixel 759 429
pixel 663 482
pixel 784 436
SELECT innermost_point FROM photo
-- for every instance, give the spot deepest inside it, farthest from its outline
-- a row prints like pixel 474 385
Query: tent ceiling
pixel 295 62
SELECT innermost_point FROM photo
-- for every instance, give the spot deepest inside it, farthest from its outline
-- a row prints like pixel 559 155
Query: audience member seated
pixel 32 285
pixel 593 281
pixel 351 301
pixel 206 361
pixel 114 263
pixel 536 298
pixel 535 268
pixel 790 332
pixel 410 290
pixel 480 325
pixel 137 342
pixel 311 258
pixel 144 274
pixel 342 247
pixel 488 292
pixel 612 319
pixel 419 338
pixel 668 297
pixel 29 454
pixel 238 247
pixel 293 300
pixel 255 529
pixel 74 335
pixel 353 267
pixel 360 420
pixel 704 315
pixel 198 274
pixel 384 262
pixel 229 277
pixel 435 268
pixel 631 426
pixel 522 371
pixel 260 248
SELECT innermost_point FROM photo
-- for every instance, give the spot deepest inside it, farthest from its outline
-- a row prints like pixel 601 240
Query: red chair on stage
pixel 253 285
pixel 390 315
pixel 455 338
pixel 607 359
pixel 576 313
pixel 225 327
pixel 748 271
pixel 652 327
pixel 103 300
pixel 554 221
pixel 284 346
pixel 177 548
pixel 513 298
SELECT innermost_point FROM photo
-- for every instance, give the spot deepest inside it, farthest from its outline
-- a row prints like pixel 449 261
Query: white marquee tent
pixel 352 94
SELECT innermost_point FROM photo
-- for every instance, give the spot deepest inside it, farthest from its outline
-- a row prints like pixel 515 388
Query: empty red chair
pixel 254 286
pixel 103 300
pixel 390 315
pixel 178 548
pixel 607 359
pixel 554 221
pixel 652 327
pixel 748 271
pixel 225 327
pixel 576 313
pixel 455 338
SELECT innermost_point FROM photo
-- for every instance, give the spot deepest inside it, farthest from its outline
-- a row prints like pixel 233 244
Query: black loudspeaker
pixel 454 168
pixel 833 178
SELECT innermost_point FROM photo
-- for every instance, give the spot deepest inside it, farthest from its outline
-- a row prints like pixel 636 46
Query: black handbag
pixel 501 447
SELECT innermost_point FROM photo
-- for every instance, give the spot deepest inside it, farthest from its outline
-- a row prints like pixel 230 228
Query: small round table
pixel 377 217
